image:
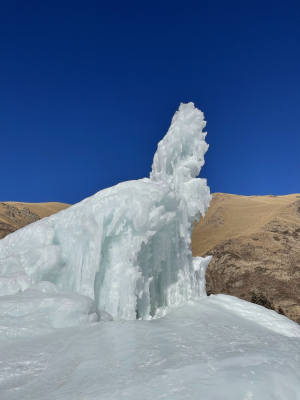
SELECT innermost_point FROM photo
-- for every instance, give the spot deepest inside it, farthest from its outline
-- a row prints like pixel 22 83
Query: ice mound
pixel 14 283
pixel 44 307
pixel 257 314
pixel 127 247
pixel 200 351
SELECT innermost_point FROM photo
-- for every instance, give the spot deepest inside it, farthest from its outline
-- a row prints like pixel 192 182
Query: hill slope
pixel 14 215
pixel 255 244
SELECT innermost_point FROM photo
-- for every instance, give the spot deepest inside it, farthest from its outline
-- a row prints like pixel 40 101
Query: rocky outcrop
pixel 19 216
pixel 256 250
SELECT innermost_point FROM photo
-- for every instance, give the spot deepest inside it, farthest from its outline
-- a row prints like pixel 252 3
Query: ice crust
pixel 128 246
pixel 201 351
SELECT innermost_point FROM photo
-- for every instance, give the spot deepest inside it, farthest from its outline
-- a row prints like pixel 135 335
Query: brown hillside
pixel 14 215
pixel 255 244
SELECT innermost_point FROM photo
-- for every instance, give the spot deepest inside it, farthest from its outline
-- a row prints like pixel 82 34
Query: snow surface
pixel 200 351
pixel 125 253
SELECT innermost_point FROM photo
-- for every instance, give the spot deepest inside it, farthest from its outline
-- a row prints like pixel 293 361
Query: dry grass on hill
pixel 255 244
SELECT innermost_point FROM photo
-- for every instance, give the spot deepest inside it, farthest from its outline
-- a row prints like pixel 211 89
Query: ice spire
pixel 180 157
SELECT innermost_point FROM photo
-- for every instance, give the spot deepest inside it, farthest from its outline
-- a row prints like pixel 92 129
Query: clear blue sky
pixel 88 88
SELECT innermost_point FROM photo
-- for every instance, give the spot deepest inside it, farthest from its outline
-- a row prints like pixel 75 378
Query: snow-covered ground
pixel 203 350
pixel 125 253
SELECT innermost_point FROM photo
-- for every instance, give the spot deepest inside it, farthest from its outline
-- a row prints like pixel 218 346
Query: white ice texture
pixel 125 253
pixel 200 351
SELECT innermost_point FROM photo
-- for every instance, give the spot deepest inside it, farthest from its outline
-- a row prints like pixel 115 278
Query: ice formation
pixel 128 246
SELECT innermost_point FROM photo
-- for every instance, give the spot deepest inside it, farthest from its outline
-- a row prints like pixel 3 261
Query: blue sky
pixel 88 88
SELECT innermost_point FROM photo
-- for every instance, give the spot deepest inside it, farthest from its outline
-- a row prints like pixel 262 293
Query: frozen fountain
pixel 127 247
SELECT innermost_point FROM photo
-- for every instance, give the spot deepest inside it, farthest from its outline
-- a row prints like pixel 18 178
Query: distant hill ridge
pixel 254 241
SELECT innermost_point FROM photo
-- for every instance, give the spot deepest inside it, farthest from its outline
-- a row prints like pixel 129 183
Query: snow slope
pixel 202 350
